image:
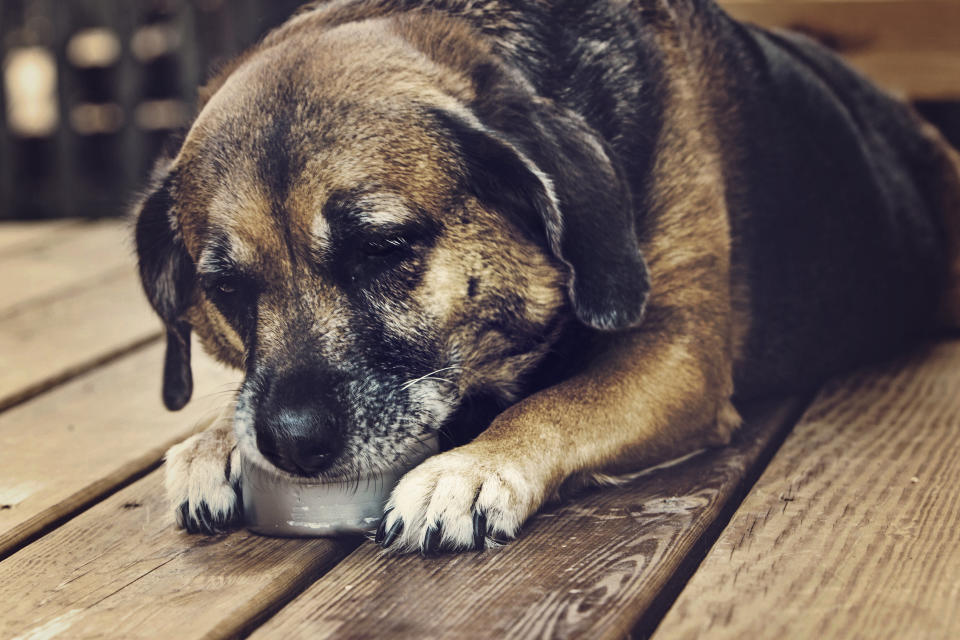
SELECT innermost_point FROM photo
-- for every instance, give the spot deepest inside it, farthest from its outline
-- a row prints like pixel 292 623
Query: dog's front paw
pixel 463 499
pixel 203 482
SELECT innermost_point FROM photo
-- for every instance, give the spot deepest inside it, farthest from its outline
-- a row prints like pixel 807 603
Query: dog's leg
pixel 651 396
pixel 203 479
pixel 655 393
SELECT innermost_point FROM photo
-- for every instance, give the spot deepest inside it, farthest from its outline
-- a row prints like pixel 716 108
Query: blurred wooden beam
pixel 910 47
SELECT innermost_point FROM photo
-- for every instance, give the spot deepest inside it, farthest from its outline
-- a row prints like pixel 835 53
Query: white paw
pixel 462 499
pixel 203 482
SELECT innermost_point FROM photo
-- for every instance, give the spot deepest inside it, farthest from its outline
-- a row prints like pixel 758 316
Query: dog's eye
pixel 226 287
pixel 235 296
pixel 383 247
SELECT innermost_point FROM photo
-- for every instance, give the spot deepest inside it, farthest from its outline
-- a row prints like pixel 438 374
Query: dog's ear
pixel 552 174
pixel 168 276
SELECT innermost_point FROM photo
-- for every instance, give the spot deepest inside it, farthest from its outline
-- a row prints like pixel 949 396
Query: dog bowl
pixel 281 506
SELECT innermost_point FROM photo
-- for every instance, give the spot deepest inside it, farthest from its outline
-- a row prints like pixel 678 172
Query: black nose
pixel 298 422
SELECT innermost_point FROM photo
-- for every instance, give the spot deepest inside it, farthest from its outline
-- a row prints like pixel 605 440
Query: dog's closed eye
pixel 235 296
pixel 229 287
pixel 226 287
pixel 372 257
pixel 383 247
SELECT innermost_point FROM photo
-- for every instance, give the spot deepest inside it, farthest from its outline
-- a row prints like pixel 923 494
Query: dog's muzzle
pixel 300 421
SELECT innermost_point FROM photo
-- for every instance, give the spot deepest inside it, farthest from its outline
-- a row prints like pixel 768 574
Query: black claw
pixel 227 468
pixel 500 538
pixel 431 539
pixel 185 518
pixel 238 490
pixel 205 520
pixel 230 522
pixel 382 529
pixel 392 533
pixel 234 519
pixel 479 530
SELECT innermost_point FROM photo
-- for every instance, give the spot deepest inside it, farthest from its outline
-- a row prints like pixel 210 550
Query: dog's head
pixel 375 221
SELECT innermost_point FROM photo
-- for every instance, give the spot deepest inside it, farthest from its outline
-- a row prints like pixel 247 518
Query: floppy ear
pixel 168 275
pixel 555 178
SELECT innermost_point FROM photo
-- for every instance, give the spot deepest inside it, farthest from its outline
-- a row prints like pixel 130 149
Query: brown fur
pixel 658 392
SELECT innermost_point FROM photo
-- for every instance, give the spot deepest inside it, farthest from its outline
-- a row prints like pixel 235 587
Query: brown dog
pixel 579 228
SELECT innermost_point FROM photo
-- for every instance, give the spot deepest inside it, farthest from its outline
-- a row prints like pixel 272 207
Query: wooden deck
pixel 834 515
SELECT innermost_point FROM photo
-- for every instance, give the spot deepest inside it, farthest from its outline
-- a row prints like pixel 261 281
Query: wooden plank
pixel 590 568
pixel 861 25
pixel 913 75
pixel 909 47
pixel 52 340
pixel 852 529
pixel 120 570
pixel 16 236
pixel 48 270
pixel 70 446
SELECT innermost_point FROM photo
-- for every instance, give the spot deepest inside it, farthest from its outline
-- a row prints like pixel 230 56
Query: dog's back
pixel 841 201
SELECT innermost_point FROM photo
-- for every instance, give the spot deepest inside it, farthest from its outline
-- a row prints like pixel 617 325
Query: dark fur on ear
pixel 557 180
pixel 168 275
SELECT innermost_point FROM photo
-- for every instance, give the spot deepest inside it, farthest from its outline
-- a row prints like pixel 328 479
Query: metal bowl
pixel 281 506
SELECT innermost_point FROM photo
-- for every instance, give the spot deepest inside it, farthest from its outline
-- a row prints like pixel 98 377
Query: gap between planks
pixel 69 258
pixel 70 447
pixel 852 529
pixel 590 567
pixel 75 445
pixel 17 237
pixel 77 325
pixel 121 569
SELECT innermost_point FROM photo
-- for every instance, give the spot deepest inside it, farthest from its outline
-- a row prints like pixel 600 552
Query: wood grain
pixel 69 259
pixel 909 47
pixel 45 343
pixel 71 446
pixel 852 530
pixel 120 570
pixel 588 568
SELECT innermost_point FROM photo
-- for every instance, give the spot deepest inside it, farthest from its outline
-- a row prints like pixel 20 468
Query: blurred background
pixel 91 88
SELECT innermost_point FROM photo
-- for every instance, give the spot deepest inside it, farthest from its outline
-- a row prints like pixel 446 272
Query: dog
pixel 570 237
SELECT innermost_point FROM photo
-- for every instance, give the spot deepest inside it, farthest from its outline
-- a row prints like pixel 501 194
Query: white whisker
pixel 428 376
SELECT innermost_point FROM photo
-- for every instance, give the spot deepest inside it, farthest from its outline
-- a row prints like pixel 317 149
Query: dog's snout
pixel 300 453
pixel 299 423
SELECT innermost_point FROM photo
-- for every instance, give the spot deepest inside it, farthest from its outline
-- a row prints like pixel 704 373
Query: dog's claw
pixel 479 530
pixel 382 528
pixel 185 518
pixel 500 539
pixel 431 540
pixel 392 533
pixel 205 520
pixel 202 520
